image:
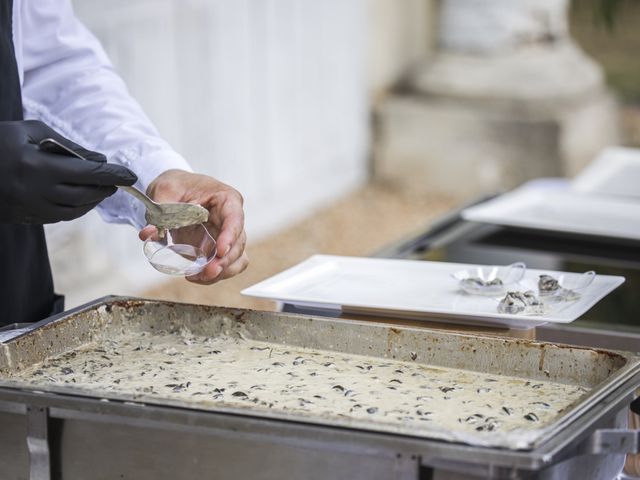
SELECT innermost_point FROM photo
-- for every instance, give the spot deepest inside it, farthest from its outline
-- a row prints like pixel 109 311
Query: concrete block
pixel 464 147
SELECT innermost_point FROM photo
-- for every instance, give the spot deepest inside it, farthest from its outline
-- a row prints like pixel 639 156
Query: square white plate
pixel 414 289
pixel 561 210
pixel 615 172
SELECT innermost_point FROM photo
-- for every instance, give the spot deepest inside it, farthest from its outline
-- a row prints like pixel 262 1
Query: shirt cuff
pixel 152 164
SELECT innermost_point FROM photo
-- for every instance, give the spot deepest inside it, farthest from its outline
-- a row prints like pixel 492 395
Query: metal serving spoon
pixel 164 216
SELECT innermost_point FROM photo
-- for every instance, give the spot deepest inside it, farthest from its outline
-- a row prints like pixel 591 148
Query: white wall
pixel 269 96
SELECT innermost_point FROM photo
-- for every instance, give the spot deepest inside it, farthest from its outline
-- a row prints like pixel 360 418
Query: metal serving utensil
pixel 164 216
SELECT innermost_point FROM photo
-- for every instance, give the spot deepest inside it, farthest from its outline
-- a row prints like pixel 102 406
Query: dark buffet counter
pixel 613 323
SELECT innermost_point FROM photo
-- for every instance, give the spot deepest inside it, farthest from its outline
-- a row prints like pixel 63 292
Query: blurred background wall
pixel 296 102
pixel 507 96
pixel 272 97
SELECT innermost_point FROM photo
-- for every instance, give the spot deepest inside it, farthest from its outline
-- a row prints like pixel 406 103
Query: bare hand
pixel 226 219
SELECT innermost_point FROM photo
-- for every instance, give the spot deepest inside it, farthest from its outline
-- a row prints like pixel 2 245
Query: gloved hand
pixel 40 187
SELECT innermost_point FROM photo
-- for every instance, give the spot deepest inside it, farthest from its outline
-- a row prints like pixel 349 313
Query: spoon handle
pixel 150 204
pixel 53 146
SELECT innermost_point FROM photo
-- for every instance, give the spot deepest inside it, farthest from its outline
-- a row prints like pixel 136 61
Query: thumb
pixel 88 154
pixel 40 134
pixel 106 174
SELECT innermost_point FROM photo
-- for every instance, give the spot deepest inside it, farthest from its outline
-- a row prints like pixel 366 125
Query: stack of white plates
pixel 604 200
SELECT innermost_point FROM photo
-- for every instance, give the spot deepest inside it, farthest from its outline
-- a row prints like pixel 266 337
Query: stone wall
pixel 508 96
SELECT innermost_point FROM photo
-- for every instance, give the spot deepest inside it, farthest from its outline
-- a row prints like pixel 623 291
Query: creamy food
pixel 235 372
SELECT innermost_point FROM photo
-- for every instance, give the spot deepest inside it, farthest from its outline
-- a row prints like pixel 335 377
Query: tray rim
pixel 65 406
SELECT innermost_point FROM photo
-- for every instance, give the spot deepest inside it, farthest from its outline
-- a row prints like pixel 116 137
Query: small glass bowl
pixel 182 251
pixel 490 281
pixel 577 281
pixel 568 287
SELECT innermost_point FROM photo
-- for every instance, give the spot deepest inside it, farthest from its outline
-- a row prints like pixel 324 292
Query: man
pixel 56 81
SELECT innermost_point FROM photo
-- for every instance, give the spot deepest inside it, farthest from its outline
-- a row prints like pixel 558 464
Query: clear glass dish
pixel 576 281
pixel 490 280
pixel 182 251
pixel 565 287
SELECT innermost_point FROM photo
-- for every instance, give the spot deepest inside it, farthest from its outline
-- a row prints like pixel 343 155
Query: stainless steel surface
pixel 109 437
pixel 162 215
pixel 104 445
pixel 608 441
pixel 14 326
pixel 38 443
pixel 590 337
pixel 13 330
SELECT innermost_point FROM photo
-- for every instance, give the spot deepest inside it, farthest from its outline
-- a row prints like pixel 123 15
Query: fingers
pixel 57 213
pixel 230 265
pixel 237 267
pixel 232 258
pixel 113 174
pixel 74 171
pixel 91 169
pixel 89 154
pixel 78 195
pixel 102 174
pixel 232 224
pixel 236 251
pixel 50 145
pixel 69 213
pixel 146 232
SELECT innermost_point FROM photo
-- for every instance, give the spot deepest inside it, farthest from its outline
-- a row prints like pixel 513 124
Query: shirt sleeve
pixel 70 84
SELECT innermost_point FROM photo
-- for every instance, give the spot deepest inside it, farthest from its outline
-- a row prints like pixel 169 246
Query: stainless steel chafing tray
pixel 64 432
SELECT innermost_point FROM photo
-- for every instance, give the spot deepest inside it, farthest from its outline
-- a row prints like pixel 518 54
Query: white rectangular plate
pixel 410 288
pixel 616 171
pixel 561 210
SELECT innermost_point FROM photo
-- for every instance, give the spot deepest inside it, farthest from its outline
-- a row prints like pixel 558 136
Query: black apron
pixel 26 285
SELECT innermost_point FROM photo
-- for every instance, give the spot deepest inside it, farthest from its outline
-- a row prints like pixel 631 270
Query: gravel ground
pixel 360 224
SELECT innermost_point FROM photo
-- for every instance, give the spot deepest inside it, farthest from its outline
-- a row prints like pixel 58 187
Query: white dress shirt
pixel 69 84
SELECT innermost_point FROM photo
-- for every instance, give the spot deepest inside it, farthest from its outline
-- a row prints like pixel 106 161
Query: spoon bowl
pixel 167 216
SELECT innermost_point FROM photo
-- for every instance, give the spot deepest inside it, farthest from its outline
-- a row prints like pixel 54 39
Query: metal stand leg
pixel 407 467
pixel 38 443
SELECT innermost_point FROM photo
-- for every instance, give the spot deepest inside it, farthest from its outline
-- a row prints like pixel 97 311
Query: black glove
pixel 41 187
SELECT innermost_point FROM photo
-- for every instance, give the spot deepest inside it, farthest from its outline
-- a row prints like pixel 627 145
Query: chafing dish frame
pixel 588 434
